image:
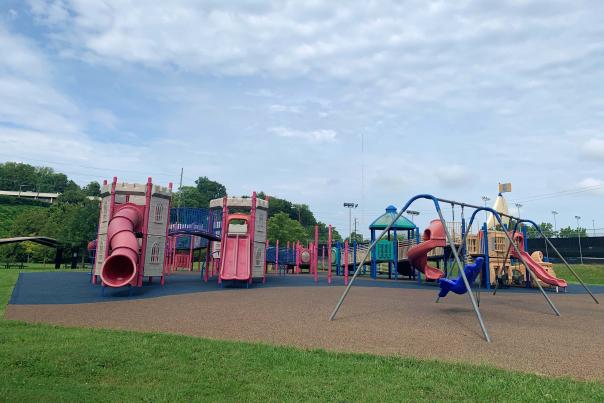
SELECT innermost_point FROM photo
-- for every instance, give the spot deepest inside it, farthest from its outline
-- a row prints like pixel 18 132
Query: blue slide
pixel 457 286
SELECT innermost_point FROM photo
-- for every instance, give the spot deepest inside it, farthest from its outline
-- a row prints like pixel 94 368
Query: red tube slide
pixel 433 237
pixel 121 267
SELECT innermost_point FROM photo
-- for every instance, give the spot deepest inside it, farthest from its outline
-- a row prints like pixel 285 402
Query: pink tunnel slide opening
pixel 121 267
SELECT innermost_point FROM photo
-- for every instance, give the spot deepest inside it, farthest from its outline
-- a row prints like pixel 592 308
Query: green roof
pixel 382 221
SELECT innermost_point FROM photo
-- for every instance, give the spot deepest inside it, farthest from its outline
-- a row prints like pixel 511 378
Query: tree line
pixel 73 219
pixel 548 230
pixel 288 222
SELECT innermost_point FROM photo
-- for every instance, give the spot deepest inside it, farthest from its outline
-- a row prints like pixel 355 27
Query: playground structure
pixel 403 248
pixel 460 257
pixel 191 231
pixel 132 232
pixel 233 233
pixel 243 238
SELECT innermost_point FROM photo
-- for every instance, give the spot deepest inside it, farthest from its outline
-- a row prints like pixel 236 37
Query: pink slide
pixel 535 267
pixel 121 267
pixel 236 265
pixel 434 237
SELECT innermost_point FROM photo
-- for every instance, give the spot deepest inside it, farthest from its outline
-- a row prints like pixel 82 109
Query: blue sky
pixel 448 98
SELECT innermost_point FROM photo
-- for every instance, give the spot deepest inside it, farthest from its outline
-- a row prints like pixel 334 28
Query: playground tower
pixel 243 239
pixel 132 232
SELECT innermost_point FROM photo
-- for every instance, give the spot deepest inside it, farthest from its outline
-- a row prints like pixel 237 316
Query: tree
pixel 189 196
pixel 355 236
pixel 302 214
pixel 30 222
pixel 209 190
pixel 92 189
pixel 72 196
pixel 324 232
pixel 17 176
pixel 546 228
pixel 284 229
pixel 570 232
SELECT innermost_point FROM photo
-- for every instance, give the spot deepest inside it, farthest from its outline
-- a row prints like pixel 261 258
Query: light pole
pixel 593 225
pixel 485 199
pixel 518 205
pixel 412 213
pixel 350 206
pixel 555 213
pixel 579 237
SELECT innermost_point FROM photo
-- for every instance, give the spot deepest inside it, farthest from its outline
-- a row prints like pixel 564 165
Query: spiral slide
pixel 121 267
pixel 433 237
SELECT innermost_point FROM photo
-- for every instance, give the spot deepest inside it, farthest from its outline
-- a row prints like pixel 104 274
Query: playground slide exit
pixel 236 262
pixel 236 250
pixel 539 270
pixel 121 267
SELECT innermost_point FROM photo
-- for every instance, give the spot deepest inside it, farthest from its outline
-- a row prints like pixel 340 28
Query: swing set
pixel 468 274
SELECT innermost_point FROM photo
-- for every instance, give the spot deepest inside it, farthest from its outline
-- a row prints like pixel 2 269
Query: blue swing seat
pixel 457 286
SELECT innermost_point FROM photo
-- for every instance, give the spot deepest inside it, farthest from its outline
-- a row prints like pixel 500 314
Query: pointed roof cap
pixel 382 221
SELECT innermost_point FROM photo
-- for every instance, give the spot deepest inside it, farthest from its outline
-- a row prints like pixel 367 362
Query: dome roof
pixel 382 221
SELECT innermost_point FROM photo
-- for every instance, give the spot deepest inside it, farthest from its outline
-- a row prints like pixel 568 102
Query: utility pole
pixel 579 236
pixel 350 206
pixel 180 188
pixel 555 213
pixel 297 207
pixel 412 213
pixel 485 199
pixel 593 225
pixel 518 205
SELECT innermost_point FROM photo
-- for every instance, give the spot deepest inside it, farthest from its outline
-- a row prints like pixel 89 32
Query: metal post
pixel 463 275
pixel 449 239
pixel 533 277
pixel 551 245
pixel 579 237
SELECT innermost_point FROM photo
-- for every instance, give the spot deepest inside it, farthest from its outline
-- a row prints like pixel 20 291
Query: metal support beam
pixel 449 239
pixel 547 240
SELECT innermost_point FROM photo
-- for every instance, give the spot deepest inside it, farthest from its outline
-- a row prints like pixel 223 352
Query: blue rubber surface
pixel 75 287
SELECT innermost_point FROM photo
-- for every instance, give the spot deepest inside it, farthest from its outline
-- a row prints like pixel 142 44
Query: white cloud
pixel 592 186
pixel 104 117
pixel 313 136
pixel 453 176
pixel 498 86
pixel 277 108
pixel 594 149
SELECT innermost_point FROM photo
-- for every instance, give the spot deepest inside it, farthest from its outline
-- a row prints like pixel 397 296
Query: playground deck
pixel 376 319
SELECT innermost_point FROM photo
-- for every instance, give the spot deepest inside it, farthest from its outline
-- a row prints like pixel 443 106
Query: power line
pixel 561 193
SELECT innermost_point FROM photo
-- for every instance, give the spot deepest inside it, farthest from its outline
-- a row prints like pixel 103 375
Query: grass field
pixel 589 273
pixel 47 363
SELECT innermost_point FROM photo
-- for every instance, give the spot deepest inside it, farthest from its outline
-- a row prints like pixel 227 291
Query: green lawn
pixel 47 363
pixel 589 273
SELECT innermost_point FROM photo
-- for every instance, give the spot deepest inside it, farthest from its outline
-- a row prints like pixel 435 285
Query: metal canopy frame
pixel 456 253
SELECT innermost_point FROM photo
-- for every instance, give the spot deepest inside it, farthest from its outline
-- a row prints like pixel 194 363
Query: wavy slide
pixel 235 263
pixel 539 271
pixel 433 237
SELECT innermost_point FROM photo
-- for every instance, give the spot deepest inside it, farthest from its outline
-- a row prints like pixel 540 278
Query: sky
pixel 317 102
